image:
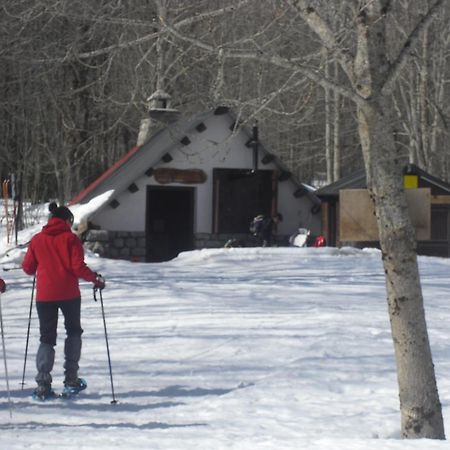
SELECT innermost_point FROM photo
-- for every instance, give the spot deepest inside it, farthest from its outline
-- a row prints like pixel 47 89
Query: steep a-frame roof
pixel 140 159
pixel 358 180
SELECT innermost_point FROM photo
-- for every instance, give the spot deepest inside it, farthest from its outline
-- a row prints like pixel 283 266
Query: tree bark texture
pixel 420 407
pixel 419 400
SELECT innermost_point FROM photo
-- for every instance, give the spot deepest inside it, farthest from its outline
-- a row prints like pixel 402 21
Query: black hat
pixel 61 212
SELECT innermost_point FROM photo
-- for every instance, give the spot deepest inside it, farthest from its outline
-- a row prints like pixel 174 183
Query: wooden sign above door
pixel 182 176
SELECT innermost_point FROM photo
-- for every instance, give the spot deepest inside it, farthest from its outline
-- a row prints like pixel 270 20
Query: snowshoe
pixel 44 393
pixel 72 388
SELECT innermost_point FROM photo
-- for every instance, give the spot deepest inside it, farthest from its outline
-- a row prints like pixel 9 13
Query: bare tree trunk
pixel 328 144
pixel 419 400
pixel 372 75
pixel 413 128
pixel 423 100
pixel 336 129
pixel 436 163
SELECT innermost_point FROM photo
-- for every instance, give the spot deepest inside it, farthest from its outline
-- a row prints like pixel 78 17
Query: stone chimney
pixel 159 110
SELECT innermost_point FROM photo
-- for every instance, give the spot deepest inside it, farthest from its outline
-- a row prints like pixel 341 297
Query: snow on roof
pixel 82 212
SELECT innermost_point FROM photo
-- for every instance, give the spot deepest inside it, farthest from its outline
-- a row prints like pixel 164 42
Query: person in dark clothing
pixel 264 228
pixel 2 286
pixel 56 256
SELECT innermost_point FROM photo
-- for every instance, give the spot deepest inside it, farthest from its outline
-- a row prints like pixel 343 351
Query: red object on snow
pixel 320 241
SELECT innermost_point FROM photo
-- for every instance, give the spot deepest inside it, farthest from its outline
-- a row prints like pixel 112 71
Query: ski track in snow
pixel 228 349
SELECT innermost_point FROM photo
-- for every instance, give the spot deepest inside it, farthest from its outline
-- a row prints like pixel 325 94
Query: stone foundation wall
pixel 117 244
pixel 132 245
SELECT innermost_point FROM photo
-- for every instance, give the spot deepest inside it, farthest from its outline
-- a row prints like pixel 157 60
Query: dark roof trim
pixel 357 180
pixel 412 169
pixel 354 181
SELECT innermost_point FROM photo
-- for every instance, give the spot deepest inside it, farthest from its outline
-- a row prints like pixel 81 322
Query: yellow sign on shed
pixel 410 181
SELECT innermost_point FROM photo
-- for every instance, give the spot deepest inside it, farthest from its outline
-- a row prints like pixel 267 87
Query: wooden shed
pixel 429 205
pixel 196 183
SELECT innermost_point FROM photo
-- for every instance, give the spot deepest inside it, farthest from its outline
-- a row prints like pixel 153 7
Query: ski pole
pixel 7 269
pixel 4 358
pixel 28 333
pixel 114 401
pixel 6 253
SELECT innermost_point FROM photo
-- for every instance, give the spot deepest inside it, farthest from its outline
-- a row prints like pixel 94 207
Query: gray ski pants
pixel 48 325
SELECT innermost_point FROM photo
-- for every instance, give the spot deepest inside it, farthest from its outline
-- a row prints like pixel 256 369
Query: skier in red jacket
pixel 56 256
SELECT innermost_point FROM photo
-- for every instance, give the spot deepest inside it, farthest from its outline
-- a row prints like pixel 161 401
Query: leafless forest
pixel 75 76
pixel 335 85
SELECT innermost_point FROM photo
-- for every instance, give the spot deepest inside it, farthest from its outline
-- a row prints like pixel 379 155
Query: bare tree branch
pixel 410 43
pixel 325 33
pixel 135 42
pixel 311 73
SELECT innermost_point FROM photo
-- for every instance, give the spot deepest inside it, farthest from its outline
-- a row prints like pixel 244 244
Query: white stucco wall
pixel 215 147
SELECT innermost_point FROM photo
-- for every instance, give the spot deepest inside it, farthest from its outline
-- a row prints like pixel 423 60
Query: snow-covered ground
pixel 282 348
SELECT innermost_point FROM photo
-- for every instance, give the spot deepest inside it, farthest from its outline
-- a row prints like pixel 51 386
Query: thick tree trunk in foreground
pixel 419 400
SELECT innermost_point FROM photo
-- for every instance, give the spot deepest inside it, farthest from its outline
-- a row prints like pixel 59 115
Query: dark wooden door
pixel 170 222
pixel 240 195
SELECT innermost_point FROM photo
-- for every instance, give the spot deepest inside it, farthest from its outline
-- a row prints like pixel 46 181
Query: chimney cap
pixel 159 94
pixel 159 107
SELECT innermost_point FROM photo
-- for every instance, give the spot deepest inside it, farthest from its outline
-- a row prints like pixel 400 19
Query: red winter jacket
pixel 56 255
